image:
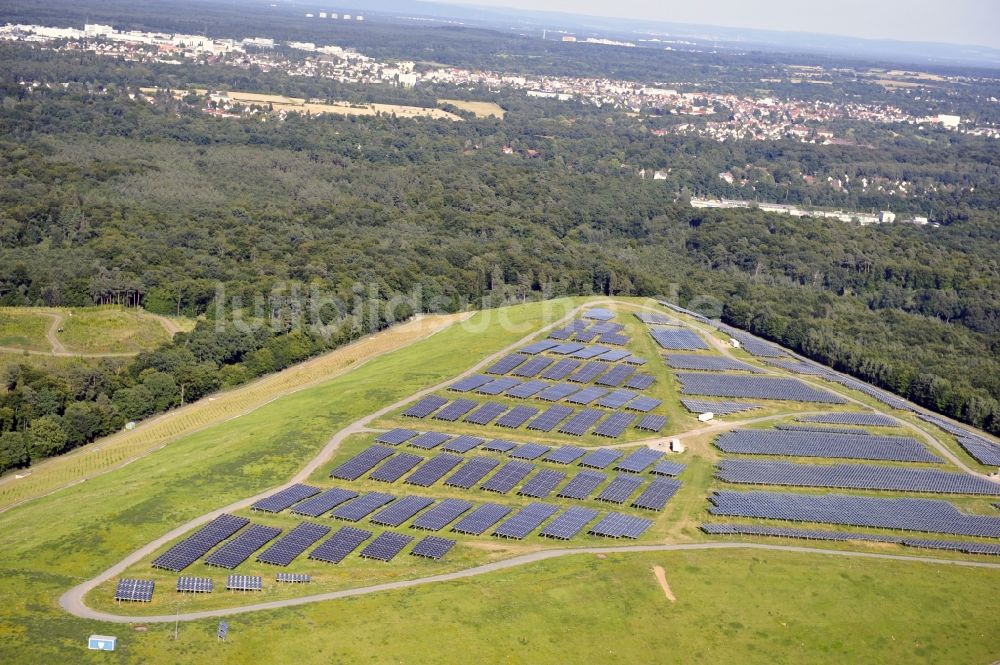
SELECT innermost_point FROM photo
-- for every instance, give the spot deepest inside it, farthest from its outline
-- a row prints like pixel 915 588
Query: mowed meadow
pixel 746 605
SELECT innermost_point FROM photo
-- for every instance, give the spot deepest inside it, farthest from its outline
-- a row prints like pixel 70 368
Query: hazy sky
pixel 952 21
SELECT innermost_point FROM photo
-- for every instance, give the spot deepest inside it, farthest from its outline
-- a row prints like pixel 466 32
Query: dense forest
pixel 105 197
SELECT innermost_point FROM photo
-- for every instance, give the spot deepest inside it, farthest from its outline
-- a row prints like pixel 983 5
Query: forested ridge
pixel 102 193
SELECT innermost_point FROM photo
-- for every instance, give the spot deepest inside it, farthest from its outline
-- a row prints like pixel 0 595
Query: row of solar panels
pixel 576 371
pixel 826 444
pixel 553 392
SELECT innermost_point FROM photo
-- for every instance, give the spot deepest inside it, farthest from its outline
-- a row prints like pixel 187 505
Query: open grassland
pixel 481 109
pixel 24 328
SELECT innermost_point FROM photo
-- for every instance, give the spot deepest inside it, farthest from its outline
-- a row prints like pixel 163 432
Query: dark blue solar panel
pixel 678 338
pixel 527 389
pixel 638 460
pixel 708 363
pixel 564 454
pixel 541 484
pixel 516 416
pixel 587 395
pixel 480 519
pixel 425 407
pixel 486 414
pixel 569 523
pixel 429 440
pixel 361 463
pixel 599 314
pixel 560 369
pixel 876 419
pixel 285 498
pixel 722 408
pixel 239 549
pixel 525 521
pixel 656 495
pixel 529 451
pixel 589 372
pixel 386 546
pixel 581 422
pixel 506 364
pixel 324 502
pixel 471 472
pixel 568 347
pixel 293 543
pixel 613 356
pixel 432 547
pixel 589 352
pixel 549 418
pixel 616 376
pixel 668 468
pixel 538 347
pixel 651 423
pixel 396 467
pixel 582 485
pixel 470 383
pixel 462 444
pixel 532 367
pixel 395 437
pixel 620 489
pixel 441 515
pixel 362 506
pixel 643 404
pixel 600 458
pixel 614 425
pixel 616 525
pixel 399 511
pixel 456 410
pixel 617 399
pixel 336 548
pixel 754 387
pixel 498 386
pixel 556 392
pixel 509 475
pixel 640 382
pixel 433 470
pixel 811 444
pixel 499 446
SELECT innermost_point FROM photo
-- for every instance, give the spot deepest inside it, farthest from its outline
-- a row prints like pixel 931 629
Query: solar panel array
pixel 398 512
pixel 542 484
pixel 397 466
pixel 538 347
pixel 499 446
pixel 640 381
pixel 651 423
pixel 506 364
pixel 395 437
pixel 455 410
pixel 497 386
pixel 516 416
pixel 927 515
pixel 361 463
pixel 810 444
pixel 617 525
pixel 650 318
pixel 582 485
pixel 285 498
pixel 336 548
pixel 587 395
pixel 614 425
pixel 569 523
pixel 432 547
pixel 643 404
pixel 470 383
pixel 292 578
pixel 820 428
pixel 557 391
pixel 532 367
pixel 617 399
pixel 293 543
pixel 239 549
pixel 386 546
pixel 564 454
pixel 192 548
pixel 244 583
pixel 527 389
pixel 362 506
pixel 620 489
pixel 656 495
pixel 560 369
pixel 433 470
pixel 529 451
pixel 874 419
pixel 481 519
pixel 429 440
pixel 324 502
pixel 599 314
pixel 854 476
pixel 718 408
pixel 616 376
pixel 486 413
pixel 509 475
pixel 581 422
pixel 462 444
pixel 471 472
pixel 754 387
pixel 677 338
pixel 666 468
pixel 425 407
pixel 588 372
pixel 600 458
pixel 134 590
pixel 195 584
pixel 525 521
pixel 638 460
pixel 708 363
pixel 441 515
pixel 549 418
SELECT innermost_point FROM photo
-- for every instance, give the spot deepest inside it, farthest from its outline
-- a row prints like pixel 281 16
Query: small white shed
pixel 676 446
pixel 102 642
pixel 705 417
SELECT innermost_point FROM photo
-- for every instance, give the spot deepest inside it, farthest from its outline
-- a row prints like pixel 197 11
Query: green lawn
pixel 23 328
pixel 733 606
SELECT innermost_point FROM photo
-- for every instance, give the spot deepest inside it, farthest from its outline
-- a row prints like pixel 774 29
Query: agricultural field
pixel 523 599
pixel 481 109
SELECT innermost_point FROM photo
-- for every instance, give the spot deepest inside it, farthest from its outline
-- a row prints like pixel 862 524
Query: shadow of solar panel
pixel 386 546
pixel 361 463
pixel 587 395
pixel 532 367
pixel 529 451
pixel 616 525
pixel 556 392
pixel 134 590
pixel 854 476
pixel 811 444
pixel 600 458
pixel 616 376
pixel 564 454
pixel 509 475
pixel 590 371
pixel 395 437
pixel 432 547
pixel 538 347
pixel 620 489
pixel 708 363
pixel 399 511
pixel 616 399
pixel 643 404
pixel 429 440
pixel 525 521
pixel 239 549
pixel 640 382
pixel 581 422
pixel 462 444
pixel 506 364
pixel 293 543
pixel 651 423
pixel 668 468
pixel 455 410
pixel 718 408
pixel 480 519
pixel 560 369
pixel 614 425
pixel 470 383
pixel 638 460
pixel 569 523
pixel 656 495
pixel 192 548
pixel 582 485
pixel 324 502
pixel 425 407
pixel 498 386
pixel 541 484
pixel 516 416
pixel 244 583
pixel 754 387
pixel 396 467
pixel 362 506
pixel 499 446
pixel 285 498
pixel 926 515
pixel 527 389
pixel 336 548
pixel 549 418
pixel 566 348
pixel 678 338
pixel 195 584
pixel 441 515
pixel 433 470
pixel 874 419
pixel 471 472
